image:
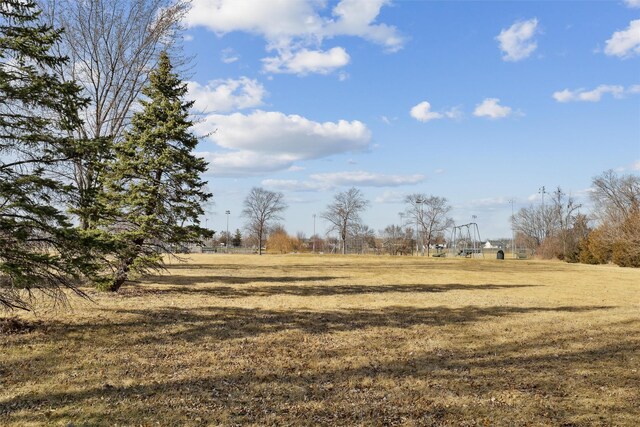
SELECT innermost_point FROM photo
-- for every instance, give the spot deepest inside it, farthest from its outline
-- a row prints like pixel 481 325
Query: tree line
pixel 610 233
pixel 430 215
pixel 555 229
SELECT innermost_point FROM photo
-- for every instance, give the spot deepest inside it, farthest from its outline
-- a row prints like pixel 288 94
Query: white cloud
pixel 296 29
pixel 366 179
pixel 303 62
pixel 263 142
pixel 229 56
pixel 328 181
pixel 492 109
pixel 244 163
pixel 357 17
pixel 422 112
pixel 534 197
pixel 489 202
pixel 187 38
pixel 594 95
pixel 625 43
pixel 516 41
pixel 226 95
pixel 291 185
pixel 636 166
pixel 632 3
pixel 271 19
pixel 390 197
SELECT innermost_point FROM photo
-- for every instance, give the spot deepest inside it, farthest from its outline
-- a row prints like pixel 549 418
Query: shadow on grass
pixel 182 280
pixel 223 323
pixel 384 264
pixel 181 286
pixel 546 372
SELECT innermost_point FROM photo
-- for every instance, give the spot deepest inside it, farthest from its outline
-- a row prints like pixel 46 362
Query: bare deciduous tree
pixel 553 227
pixel 344 213
pixel 615 197
pixel 112 45
pixel 396 240
pixel 430 213
pixel 261 208
pixel 564 214
pixel 617 208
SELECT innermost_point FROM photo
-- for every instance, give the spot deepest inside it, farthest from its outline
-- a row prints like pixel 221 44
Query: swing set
pixel 466 241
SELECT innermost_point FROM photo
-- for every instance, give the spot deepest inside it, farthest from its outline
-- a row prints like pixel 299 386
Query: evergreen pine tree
pixel 39 247
pixel 153 188
pixel 237 239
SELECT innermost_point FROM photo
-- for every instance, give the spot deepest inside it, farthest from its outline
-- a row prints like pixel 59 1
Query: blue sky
pixel 476 101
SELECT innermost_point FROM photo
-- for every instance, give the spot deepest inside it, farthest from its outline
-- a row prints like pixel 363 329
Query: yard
pixel 335 340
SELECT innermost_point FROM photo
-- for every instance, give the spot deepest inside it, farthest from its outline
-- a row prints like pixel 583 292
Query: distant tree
pixel 225 238
pixel 153 187
pixel 616 200
pixel 40 250
pixel 567 226
pixel 237 239
pixel 553 230
pixel 261 208
pixel 529 225
pixel 280 241
pixel 364 237
pixel 343 214
pixel 317 242
pixel 431 215
pixel 396 240
pixel 626 249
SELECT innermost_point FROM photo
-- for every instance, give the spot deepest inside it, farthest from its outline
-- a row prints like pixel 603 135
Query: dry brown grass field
pixel 332 340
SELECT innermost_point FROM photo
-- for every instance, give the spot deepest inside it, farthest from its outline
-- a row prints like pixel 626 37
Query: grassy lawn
pixel 331 340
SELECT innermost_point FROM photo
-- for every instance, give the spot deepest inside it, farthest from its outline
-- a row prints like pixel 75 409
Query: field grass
pixel 331 340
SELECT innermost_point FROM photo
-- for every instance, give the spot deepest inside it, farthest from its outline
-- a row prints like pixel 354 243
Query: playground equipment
pixel 466 241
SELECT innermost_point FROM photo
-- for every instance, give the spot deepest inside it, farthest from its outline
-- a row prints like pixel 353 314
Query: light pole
pixel 422 202
pixel 314 233
pixel 418 218
pixel 397 240
pixel 227 212
pixel 513 239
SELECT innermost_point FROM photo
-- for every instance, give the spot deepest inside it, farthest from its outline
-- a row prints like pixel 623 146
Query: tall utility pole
pixel 513 239
pixel 227 247
pixel 422 221
pixel 401 215
pixel 542 191
pixel 418 219
pixel 314 233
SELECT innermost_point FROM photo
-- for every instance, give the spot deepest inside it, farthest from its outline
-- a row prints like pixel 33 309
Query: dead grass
pixel 304 340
